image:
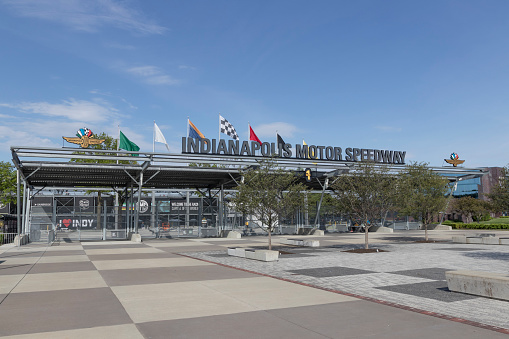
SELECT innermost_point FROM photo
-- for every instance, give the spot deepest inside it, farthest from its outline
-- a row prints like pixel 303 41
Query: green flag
pixel 127 144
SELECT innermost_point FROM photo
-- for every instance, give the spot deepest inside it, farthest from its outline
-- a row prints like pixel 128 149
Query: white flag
pixel 159 137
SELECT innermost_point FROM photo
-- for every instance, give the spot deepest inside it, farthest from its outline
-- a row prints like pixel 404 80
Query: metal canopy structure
pixel 63 168
pixel 42 168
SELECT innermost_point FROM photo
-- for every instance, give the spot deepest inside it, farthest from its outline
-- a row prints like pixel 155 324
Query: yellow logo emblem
pixel 84 138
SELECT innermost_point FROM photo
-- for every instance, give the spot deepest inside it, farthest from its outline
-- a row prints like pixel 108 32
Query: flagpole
pixel 249 133
pixel 154 138
pixel 219 127
pixel 187 127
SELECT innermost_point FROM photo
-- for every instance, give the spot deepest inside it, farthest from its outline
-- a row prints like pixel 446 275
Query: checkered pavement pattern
pixel 160 289
pixel 228 128
pixel 411 275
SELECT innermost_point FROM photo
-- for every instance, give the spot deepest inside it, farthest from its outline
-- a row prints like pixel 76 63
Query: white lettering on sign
pixel 75 223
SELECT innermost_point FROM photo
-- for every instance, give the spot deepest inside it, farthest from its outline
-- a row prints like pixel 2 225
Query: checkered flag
pixel 227 128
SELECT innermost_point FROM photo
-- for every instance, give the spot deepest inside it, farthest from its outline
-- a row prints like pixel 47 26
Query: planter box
pixel 504 241
pixel 491 285
pixel 459 239
pixel 474 240
pixel 491 241
pixel 311 243
pixel 250 253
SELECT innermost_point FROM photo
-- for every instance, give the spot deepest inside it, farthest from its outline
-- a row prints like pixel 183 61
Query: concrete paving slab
pixel 146 263
pixel 248 325
pixel 48 311
pixel 129 256
pixel 8 282
pixel 122 250
pixel 268 293
pixel 123 244
pixel 20 254
pixel 13 261
pixel 63 253
pixel 59 281
pixel 184 249
pixel 436 290
pixel 433 273
pixel 158 244
pixel 146 303
pixel 171 274
pixel 362 320
pixel 14 269
pixel 73 247
pixel 62 267
pixel 335 271
pixel 128 331
pixel 68 258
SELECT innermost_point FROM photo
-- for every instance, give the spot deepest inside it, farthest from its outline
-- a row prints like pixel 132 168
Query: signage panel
pixel 312 152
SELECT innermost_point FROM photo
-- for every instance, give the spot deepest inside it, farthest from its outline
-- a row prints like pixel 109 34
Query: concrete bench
pixel 251 253
pixel 481 239
pixel 300 242
pixel 474 240
pixel 485 284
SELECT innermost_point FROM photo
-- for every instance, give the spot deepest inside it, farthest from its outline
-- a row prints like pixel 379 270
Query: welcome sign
pixel 314 152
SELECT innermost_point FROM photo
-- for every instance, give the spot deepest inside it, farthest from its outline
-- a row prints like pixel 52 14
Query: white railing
pixel 7 238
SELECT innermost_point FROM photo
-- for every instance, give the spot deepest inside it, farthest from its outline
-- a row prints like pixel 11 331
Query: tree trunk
pixel 426 232
pixel 366 242
pixel 270 239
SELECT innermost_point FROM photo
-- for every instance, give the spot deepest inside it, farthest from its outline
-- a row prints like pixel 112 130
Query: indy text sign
pixel 266 149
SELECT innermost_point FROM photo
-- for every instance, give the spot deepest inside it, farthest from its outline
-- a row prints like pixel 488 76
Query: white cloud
pixel 191 68
pixel 77 110
pixel 269 130
pixel 107 94
pixel 88 16
pixel 152 75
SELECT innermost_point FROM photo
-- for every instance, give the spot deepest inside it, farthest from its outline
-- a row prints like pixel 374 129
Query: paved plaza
pixel 190 288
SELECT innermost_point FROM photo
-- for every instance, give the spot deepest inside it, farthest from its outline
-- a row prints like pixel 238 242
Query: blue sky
pixel 426 77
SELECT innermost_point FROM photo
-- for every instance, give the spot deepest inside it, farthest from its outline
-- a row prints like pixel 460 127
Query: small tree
pixel 8 183
pixel 269 193
pixel 366 193
pixel 422 194
pixel 473 209
pixel 499 196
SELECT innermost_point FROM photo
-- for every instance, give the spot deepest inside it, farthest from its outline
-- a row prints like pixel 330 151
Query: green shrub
pixel 484 217
pixel 478 226
pixel 1 239
pixel 451 222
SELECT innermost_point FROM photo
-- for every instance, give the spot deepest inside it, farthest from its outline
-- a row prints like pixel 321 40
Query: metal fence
pixel 7 238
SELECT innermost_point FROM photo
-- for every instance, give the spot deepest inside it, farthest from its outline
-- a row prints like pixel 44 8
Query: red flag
pixel 253 137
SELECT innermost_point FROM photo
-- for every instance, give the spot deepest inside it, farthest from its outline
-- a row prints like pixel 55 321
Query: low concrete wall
pixel 251 253
pixel 491 285
pixel 21 240
pixel 317 232
pixel 440 227
pixel 135 237
pixel 491 240
pixel 474 240
pixel 504 241
pixel 234 235
pixel 459 239
pixel 300 242
pixel 381 229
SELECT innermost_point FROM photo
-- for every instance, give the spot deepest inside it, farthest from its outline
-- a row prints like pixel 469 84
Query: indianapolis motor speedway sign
pixel 266 149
